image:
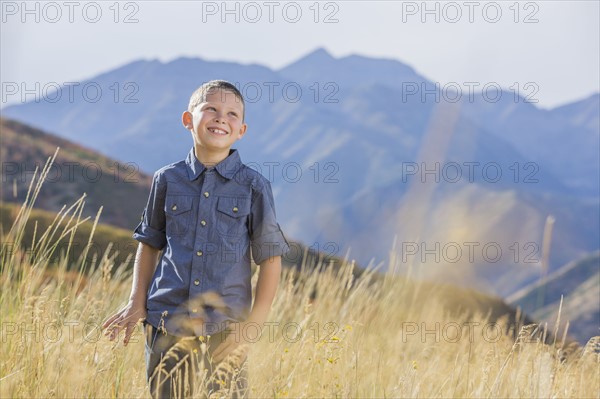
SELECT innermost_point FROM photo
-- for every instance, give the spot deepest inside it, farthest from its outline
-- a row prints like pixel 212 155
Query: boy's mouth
pixel 217 131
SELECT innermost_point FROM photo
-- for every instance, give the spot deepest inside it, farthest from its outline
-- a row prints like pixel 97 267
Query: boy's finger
pixel 128 331
pixel 111 327
pixel 115 328
pixel 114 331
pixel 110 320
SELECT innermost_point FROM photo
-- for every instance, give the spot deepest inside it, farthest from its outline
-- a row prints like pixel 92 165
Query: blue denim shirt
pixel 208 222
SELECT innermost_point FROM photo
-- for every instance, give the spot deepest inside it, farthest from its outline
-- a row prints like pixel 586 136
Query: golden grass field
pixel 365 337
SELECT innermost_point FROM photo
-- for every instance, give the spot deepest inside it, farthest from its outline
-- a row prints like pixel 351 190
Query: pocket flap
pixel 234 206
pixel 176 204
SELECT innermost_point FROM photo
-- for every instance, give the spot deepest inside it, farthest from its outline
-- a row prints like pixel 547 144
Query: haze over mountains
pixel 357 157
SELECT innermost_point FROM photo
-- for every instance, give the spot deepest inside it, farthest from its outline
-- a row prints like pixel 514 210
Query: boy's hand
pixel 233 340
pixel 126 318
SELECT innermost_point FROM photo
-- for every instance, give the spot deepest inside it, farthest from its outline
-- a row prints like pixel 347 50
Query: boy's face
pixel 216 123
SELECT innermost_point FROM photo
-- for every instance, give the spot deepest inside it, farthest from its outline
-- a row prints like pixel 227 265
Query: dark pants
pixel 179 367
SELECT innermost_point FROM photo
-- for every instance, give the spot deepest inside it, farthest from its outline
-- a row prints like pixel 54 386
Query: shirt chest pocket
pixel 178 209
pixel 232 216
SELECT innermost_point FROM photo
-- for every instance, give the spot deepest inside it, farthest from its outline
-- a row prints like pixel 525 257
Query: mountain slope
pixel 578 283
pixel 121 188
pixel 582 113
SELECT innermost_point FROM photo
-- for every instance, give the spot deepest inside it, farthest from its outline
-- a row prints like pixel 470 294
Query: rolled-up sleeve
pixel 151 229
pixel 267 239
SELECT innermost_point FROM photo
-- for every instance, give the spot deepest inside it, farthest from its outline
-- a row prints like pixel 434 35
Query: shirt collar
pixel 226 168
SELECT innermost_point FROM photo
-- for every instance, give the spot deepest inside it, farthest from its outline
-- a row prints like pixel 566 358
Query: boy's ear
pixel 242 130
pixel 187 120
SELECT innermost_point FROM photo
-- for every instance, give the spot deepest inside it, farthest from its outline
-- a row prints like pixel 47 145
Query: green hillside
pixel 122 244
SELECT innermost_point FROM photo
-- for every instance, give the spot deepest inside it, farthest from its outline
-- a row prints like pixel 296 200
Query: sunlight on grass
pixel 372 336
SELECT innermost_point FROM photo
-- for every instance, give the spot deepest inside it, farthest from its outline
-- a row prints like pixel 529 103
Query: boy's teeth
pixel 218 131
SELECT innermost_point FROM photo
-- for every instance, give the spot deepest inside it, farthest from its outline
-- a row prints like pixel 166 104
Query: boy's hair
pixel 199 96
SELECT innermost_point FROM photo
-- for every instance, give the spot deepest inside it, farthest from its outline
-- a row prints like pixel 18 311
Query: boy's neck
pixel 210 158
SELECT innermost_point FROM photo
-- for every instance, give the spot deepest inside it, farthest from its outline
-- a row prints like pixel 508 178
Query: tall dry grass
pixel 368 337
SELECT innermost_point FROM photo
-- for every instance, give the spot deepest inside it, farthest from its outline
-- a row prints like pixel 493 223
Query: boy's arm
pixel 146 259
pixel 266 287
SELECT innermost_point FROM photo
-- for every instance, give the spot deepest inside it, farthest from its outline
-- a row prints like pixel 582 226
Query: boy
pixel 207 214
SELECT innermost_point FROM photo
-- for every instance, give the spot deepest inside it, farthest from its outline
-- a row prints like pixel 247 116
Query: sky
pixel 546 50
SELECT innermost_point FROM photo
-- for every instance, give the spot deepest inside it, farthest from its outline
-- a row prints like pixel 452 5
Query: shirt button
pixel 174 207
pixel 206 194
pixel 203 222
pixel 235 208
pixel 199 253
pixel 196 282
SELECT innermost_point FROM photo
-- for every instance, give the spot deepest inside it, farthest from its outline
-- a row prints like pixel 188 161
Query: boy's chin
pixel 211 148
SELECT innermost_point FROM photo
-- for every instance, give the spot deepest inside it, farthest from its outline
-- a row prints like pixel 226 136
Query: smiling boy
pixel 208 214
